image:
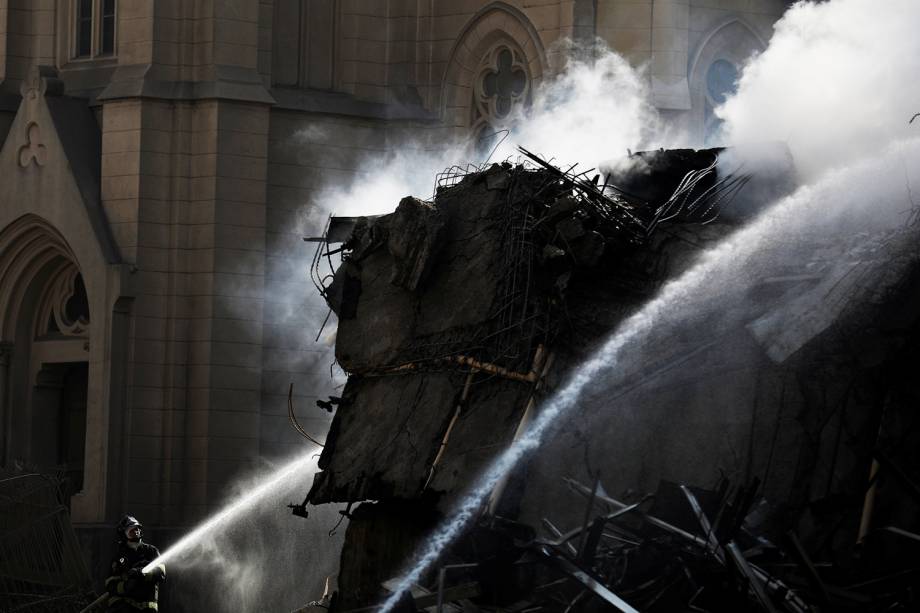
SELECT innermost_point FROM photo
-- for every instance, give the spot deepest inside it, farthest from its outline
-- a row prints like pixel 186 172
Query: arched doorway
pixel 55 239
pixel 44 327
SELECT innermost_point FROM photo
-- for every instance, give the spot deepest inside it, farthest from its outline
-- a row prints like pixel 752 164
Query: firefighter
pixel 129 589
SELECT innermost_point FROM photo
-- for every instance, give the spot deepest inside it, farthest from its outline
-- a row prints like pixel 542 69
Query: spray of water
pixel 232 512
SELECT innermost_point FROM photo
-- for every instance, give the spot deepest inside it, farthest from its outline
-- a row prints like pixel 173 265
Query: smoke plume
pixel 838 81
pixel 595 110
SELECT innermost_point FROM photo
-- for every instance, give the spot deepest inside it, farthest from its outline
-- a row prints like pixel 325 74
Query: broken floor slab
pixel 535 259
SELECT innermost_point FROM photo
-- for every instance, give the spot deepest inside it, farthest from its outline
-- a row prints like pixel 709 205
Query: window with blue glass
pixel 721 82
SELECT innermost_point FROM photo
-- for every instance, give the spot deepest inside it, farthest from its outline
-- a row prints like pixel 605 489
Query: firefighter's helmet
pixel 126 522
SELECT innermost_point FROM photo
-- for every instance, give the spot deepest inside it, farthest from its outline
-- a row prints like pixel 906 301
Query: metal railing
pixel 41 565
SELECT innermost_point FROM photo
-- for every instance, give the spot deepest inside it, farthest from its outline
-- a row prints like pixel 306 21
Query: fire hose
pixel 100 601
pixel 96 603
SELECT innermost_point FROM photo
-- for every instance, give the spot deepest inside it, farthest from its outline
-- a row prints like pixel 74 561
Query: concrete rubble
pixel 741 461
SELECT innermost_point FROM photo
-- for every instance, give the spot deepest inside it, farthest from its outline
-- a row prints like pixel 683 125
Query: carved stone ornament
pixel 33 150
pixel 64 307
pixel 42 81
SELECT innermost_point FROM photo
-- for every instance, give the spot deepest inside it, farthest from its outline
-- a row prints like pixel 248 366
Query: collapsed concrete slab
pixel 459 316
pixel 443 308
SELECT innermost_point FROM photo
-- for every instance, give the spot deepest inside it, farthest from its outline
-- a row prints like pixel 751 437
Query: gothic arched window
pixel 501 86
pixel 721 82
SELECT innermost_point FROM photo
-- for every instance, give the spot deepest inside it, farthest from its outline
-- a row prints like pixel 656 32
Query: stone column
pixel 4 19
pixel 6 350
pixel 584 22
pixel 670 50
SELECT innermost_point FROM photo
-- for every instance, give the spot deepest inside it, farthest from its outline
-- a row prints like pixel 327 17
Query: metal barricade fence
pixel 41 565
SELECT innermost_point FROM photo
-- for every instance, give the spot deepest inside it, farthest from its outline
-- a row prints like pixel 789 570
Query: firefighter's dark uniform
pixel 129 590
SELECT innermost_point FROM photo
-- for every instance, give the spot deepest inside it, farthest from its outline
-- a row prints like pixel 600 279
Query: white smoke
pixel 596 110
pixel 385 179
pixel 838 81
pixel 592 113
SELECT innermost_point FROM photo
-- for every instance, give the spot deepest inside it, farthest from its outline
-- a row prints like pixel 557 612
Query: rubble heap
pixel 755 422
pixel 505 244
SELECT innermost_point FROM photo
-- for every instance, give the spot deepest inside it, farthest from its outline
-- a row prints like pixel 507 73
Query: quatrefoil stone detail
pixel 33 149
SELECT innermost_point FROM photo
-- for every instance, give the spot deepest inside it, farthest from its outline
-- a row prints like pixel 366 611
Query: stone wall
pixel 29 37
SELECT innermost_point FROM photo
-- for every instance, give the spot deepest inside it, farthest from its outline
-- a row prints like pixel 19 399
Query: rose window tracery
pixel 502 85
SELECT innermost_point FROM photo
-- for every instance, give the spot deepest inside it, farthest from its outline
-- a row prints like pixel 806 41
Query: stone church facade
pixel 157 160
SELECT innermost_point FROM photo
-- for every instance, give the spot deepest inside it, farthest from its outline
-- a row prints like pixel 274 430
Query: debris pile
pixel 446 307
pixel 682 549
pixel 41 566
pixel 459 316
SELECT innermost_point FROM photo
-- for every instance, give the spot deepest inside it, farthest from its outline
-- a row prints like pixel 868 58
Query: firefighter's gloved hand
pixel 135 573
pixel 156 574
